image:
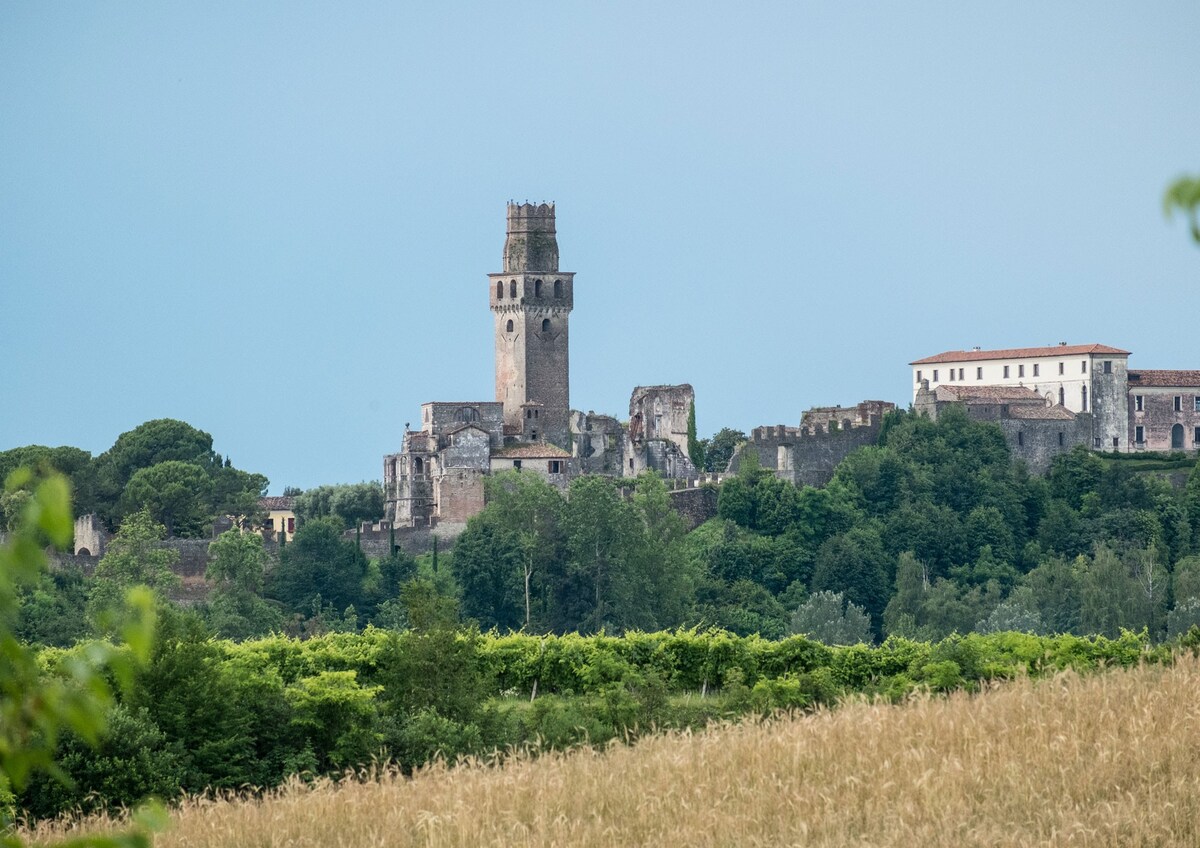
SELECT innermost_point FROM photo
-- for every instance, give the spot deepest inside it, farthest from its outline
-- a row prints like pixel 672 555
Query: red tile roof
pixel 988 393
pixel 532 450
pixel 1166 379
pixel 1030 412
pixel 277 503
pixel 1018 353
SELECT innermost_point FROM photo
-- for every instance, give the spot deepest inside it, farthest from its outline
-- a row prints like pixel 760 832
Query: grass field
pixel 1106 759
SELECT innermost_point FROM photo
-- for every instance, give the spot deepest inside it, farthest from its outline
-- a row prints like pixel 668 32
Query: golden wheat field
pixel 1109 759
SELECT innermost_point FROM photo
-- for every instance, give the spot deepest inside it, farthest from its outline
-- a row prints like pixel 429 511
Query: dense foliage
pixel 166 467
pixel 207 713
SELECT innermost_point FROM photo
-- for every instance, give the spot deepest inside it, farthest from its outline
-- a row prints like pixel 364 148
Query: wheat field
pixel 1107 759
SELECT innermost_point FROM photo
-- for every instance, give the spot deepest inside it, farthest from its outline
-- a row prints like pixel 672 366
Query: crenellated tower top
pixel 530 245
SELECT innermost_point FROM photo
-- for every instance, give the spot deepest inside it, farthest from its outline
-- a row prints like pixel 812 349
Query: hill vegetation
pixel 1103 760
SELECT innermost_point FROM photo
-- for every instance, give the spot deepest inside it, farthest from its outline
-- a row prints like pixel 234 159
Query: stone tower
pixel 531 301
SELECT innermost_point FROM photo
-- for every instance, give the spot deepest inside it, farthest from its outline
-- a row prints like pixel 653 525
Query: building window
pixel 631 464
pixel 918 376
pixel 1137 403
pixel 1061 368
pixel 1196 402
pixel 529 413
pixel 269 524
pixel 509 326
pixel 979 373
pixel 1061 438
pixel 1006 372
pixel 558 288
pixel 1196 438
pixel 1020 437
pixel 1036 369
pixel 500 290
pixel 554 466
pixel 1021 370
pixel 1083 367
pixel 960 373
pixel 935 377
pixel 537 288
pixel 516 465
pixel 1179 403
pixel 535 413
pixel 533 435
pixel 951 375
pixel 1083 401
pixel 1108 366
pixel 1116 442
pixel 1062 396
pixel 545 325
pixel 291 524
pixel 1139 435
pixel 512 288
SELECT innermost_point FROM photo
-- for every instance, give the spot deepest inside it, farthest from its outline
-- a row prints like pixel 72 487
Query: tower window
pixel 545 325
pixel 1138 403
pixel 537 288
pixel 512 288
pixel 1108 366
pixel 1139 435
pixel 1083 399
pixel 1083 367
pixel 558 288
pixel 918 376
pixel 500 290
pixel 509 326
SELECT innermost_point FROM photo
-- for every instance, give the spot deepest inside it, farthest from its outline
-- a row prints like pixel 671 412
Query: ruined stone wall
pixel 802 457
pixel 597 443
pixel 1037 442
pixel 90 535
pixel 440 417
pixel 844 416
pixel 695 505
pixel 661 412
pixel 459 494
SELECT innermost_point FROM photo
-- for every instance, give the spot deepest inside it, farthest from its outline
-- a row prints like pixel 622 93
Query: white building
pixel 1083 378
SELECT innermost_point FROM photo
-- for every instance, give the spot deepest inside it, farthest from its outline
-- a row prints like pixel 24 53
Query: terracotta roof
pixel 532 450
pixel 1018 353
pixel 277 503
pixel 1040 413
pixel 989 393
pixel 1165 378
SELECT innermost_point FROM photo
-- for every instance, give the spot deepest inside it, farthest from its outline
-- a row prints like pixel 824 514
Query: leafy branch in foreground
pixel 36 707
pixel 1183 196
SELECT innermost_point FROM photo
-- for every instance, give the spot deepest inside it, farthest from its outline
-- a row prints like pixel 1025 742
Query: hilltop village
pixel 1046 399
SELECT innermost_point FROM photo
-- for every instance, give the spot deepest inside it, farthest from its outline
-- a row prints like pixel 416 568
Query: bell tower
pixel 531 301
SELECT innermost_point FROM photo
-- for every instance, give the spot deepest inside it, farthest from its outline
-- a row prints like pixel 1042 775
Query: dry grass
pixel 1110 759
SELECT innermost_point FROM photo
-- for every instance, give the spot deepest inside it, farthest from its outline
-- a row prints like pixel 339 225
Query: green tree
pixel 904 612
pixel 695 446
pixel 1054 591
pixel 856 565
pixel 236 565
pixel 720 448
pixel 349 503
pixel 134 558
pixel 176 494
pixel 1108 595
pixel 827 617
pixel 318 566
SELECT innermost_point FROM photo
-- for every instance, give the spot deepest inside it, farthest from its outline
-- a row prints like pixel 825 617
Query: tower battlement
pixel 530 245
pixel 530 218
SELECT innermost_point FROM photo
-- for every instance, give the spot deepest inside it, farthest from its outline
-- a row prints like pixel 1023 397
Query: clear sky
pixel 274 220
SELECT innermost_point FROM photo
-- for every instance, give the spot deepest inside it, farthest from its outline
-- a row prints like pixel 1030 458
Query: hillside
pixel 1098 760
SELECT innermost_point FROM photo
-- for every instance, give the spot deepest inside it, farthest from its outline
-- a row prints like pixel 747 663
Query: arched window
pixel 500 289
pixel 537 288
pixel 509 327
pixel 418 466
pixel 545 325
pixel 466 415
pixel 1177 437
pixel 512 288
pixel 558 288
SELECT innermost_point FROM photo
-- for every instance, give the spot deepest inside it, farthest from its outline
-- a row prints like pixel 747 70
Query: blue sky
pixel 275 220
